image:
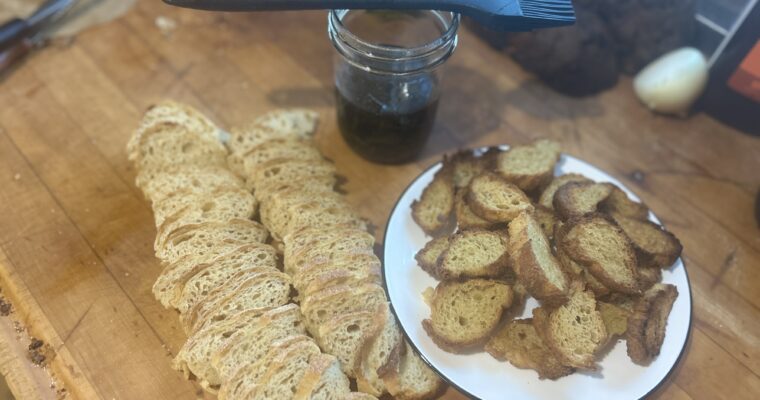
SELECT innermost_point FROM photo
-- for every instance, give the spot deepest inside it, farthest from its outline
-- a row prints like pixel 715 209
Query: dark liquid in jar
pixel 385 137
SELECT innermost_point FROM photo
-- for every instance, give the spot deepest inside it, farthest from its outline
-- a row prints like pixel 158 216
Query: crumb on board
pixel 166 25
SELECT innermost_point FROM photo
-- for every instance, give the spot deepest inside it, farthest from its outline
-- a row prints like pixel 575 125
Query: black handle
pixel 12 33
pixel 10 56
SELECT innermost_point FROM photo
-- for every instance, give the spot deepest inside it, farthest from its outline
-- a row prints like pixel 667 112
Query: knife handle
pixel 12 33
pixel 10 56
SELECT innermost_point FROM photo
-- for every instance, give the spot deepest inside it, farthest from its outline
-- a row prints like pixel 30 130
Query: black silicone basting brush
pixel 504 15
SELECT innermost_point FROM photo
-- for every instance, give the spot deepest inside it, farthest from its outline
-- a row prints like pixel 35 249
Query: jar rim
pixel 426 55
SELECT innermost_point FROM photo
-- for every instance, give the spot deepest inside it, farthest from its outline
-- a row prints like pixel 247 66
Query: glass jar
pixel 387 78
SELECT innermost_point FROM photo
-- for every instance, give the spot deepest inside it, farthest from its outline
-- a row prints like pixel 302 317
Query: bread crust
pixel 647 258
pixel 647 323
pixel 441 223
pixel 423 256
pixel 495 269
pixel 567 198
pixel 479 204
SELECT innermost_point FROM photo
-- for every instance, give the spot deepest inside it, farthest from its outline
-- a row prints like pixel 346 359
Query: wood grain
pixel 76 236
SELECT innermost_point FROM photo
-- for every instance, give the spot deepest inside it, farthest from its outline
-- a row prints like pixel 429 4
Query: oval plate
pixel 481 376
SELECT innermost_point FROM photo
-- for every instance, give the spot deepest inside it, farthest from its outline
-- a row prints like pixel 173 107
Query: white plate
pixel 481 376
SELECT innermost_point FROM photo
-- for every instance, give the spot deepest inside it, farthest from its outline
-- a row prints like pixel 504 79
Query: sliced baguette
pixel 464 314
pixel 465 217
pixel 648 322
pixel 603 248
pixel 574 331
pixel 519 343
pixel 655 246
pixel 615 319
pixel 530 167
pixel 339 276
pixel 277 172
pixel 323 380
pixel 413 379
pixel 278 124
pixel 344 336
pixel 379 355
pixel 576 199
pixel 475 254
pixel 169 144
pixel 428 257
pixel 279 149
pixel 496 200
pixel 299 244
pixel 157 185
pixel 547 196
pixel 532 259
pixel 324 305
pixel 199 238
pixel 231 198
pixel 433 210
pixel 283 377
pixel 352 241
pixel 360 264
pixel 619 203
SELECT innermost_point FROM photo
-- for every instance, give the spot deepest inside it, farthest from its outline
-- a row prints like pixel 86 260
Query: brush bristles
pixel 558 10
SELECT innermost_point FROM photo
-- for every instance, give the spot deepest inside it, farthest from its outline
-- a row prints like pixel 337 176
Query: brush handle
pixel 282 5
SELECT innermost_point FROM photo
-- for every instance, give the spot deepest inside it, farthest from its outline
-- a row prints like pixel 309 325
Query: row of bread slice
pixel 330 257
pixel 583 249
pixel 245 338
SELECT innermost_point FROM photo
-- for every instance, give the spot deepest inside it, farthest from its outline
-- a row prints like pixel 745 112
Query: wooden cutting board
pixel 76 236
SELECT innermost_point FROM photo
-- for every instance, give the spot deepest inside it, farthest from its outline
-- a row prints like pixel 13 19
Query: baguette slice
pixel 196 239
pixel 282 378
pixel 358 265
pixel 615 318
pixel 475 254
pixel 283 148
pixel 171 112
pixel 379 355
pixel 196 284
pixel 323 380
pixel 336 277
pixel 577 199
pixel 465 165
pixel 265 289
pixel 655 246
pixel 533 261
pixel 344 337
pixel 358 396
pixel 249 375
pixel 546 218
pixel 604 249
pixel 648 322
pixel 496 200
pixel 413 380
pixel 464 314
pixel 169 144
pixel 251 344
pixel 465 217
pixel 158 185
pixel 353 241
pixel 195 356
pixel 231 198
pixel 428 257
pixel 299 242
pixel 530 167
pixel 619 203
pixel 574 331
pixel 314 213
pixel 321 307
pixel 277 172
pixel 318 184
pixel 519 343
pixel 278 124
pixel 547 196
pixel 433 210
pixel 276 212
pixel 167 287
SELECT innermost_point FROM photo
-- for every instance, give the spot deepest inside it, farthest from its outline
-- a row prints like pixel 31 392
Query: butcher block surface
pixel 76 256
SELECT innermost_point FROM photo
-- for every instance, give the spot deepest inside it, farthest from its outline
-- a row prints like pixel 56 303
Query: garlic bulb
pixel 673 82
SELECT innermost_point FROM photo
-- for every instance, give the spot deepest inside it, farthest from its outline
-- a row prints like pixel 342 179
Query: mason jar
pixel 388 70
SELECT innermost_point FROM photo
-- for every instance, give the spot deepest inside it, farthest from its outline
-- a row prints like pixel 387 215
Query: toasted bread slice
pixel 251 344
pixel 172 112
pixel 603 248
pixel 464 314
pixel 648 322
pixel 533 261
pixel 547 196
pixel 359 265
pixel 475 254
pixel 157 185
pixel 619 203
pixel 465 217
pixel 284 375
pixel 576 199
pixel 518 343
pixel 283 148
pixel 278 124
pixel 379 354
pixel 322 380
pixel 428 257
pixel 615 318
pixel 655 246
pixel 266 289
pixel 572 269
pixel 495 199
pixel 195 356
pixel 464 166
pixel 413 379
pixel 168 285
pixel 530 167
pixel 168 144
pixel 648 277
pixel 546 218
pixel 574 331
pixel 196 284
pixel 434 209
pixel 199 238
pixel 344 337
pixel 321 307
pixel 250 374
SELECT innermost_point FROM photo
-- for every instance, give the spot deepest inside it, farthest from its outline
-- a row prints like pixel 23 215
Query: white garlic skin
pixel 673 82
